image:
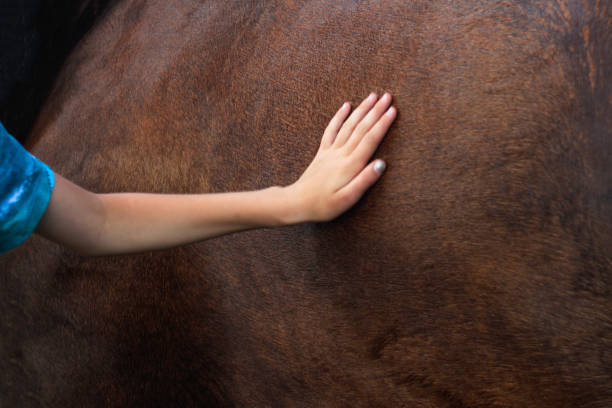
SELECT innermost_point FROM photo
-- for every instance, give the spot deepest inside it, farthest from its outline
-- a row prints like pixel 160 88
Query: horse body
pixel 475 273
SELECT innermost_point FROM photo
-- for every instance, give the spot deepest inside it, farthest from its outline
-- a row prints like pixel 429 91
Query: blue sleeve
pixel 26 184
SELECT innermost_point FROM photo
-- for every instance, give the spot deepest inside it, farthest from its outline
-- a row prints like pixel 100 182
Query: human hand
pixel 97 224
pixel 340 173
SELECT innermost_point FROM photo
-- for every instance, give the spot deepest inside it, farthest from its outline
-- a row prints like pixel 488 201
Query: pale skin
pixel 338 176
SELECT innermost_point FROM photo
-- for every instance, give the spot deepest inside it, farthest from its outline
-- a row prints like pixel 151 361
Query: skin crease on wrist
pixel 337 177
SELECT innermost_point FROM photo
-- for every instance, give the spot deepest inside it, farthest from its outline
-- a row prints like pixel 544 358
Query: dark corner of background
pixel 36 36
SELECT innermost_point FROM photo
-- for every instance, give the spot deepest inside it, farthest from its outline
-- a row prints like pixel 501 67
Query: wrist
pixel 290 209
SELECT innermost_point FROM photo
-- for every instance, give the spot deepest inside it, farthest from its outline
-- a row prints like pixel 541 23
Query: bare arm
pixel 99 224
pixel 338 176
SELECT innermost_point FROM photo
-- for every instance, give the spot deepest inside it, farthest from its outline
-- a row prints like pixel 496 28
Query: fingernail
pixel 391 111
pixel 372 96
pixel 379 166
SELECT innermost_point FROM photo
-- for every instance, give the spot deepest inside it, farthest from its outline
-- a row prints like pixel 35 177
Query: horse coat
pixel 475 273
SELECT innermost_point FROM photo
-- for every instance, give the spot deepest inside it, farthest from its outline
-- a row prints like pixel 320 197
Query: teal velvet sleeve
pixel 26 184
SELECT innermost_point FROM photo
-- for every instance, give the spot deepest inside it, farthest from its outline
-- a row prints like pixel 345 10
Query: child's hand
pixel 99 224
pixel 340 173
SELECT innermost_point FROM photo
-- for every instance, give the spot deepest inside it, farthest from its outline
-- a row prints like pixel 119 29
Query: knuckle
pixel 340 137
pixel 329 130
pixel 379 109
pixel 375 135
pixel 346 197
pixel 370 139
pixel 359 112
pixel 364 125
pixel 360 128
pixel 333 124
pixel 351 122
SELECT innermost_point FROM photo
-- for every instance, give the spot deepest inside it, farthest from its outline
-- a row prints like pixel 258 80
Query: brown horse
pixel 476 273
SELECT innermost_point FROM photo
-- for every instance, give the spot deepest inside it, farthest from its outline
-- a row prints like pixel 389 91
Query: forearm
pixel 98 224
pixel 135 222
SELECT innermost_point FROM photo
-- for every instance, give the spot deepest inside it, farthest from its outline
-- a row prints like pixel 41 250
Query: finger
pixel 372 139
pixel 354 119
pixel 352 192
pixel 335 124
pixel 368 121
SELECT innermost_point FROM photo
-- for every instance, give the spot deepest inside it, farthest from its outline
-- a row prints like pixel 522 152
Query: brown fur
pixel 476 273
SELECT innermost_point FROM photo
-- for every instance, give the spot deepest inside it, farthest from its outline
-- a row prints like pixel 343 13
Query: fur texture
pixel 476 273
